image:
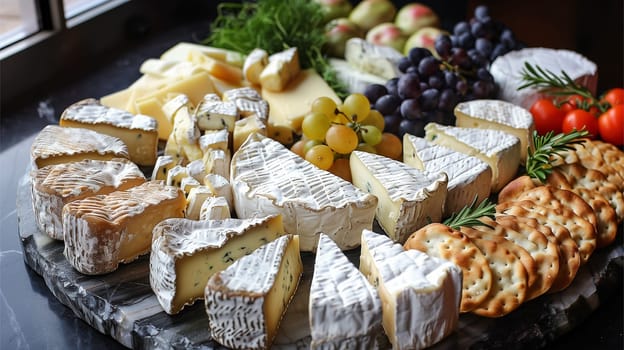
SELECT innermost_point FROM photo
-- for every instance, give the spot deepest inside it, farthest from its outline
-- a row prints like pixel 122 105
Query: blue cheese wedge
pixel 498 115
pixel 268 178
pixel 186 253
pixel 341 297
pixel 138 132
pixel 245 303
pixel 216 115
pixel 420 294
pixel 408 198
pixel 500 150
pixel 468 176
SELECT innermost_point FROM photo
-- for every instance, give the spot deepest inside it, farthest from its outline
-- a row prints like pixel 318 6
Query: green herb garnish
pixel 538 164
pixel 275 25
pixel 469 215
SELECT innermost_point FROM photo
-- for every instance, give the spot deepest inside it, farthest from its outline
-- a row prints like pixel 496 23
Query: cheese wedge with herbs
pixel 55 145
pixel 138 132
pixel 498 115
pixel 100 232
pixel 245 303
pixel 186 253
pixel 408 198
pixel 55 185
pixel 267 178
pixel 500 150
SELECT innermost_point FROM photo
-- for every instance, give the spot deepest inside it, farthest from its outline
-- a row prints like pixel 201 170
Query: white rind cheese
pixel 254 64
pixel 500 150
pixel 267 179
pixel 220 186
pixel 507 72
pixel 282 68
pixel 498 115
pixel 214 139
pixel 371 58
pixel 408 198
pixel 162 166
pixel 245 303
pixel 55 185
pixel 467 176
pixel 420 294
pixel 56 145
pixel 354 80
pixel 214 208
pixel 185 253
pixel 216 115
pixel 344 308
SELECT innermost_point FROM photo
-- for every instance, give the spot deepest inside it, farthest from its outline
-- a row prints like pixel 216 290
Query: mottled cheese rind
pixel 420 294
pixel 344 308
pixel 468 176
pixel 498 115
pixel 102 231
pixel 268 178
pixel 138 132
pixel 55 185
pixel 245 303
pixel 408 198
pixel 186 253
pixel 55 145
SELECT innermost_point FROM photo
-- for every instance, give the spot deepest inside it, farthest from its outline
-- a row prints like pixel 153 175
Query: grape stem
pixel 454 68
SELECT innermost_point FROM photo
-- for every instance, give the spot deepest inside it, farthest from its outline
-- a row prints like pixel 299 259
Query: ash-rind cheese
pixel 56 145
pixel 55 185
pixel 138 132
pixel 468 176
pixel 245 303
pixel 268 179
pixel 507 72
pixel 344 308
pixel 185 253
pixel 420 295
pixel 408 198
pixel 102 231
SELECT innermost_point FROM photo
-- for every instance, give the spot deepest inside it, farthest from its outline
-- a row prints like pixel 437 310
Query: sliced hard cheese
pixel 56 145
pixel 498 115
pixel 245 303
pixel 288 107
pixel 102 231
pixel 138 132
pixel 268 178
pixel 55 185
pixel 183 52
pixel 500 150
pixel 283 67
pixel 374 59
pixel 467 176
pixel 214 208
pixel 185 253
pixel 420 294
pixel 408 198
pixel 354 79
pixel 341 297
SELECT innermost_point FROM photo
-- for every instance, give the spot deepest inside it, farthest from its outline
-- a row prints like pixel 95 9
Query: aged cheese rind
pixel 420 294
pixel 468 176
pixel 408 198
pixel 55 145
pixel 344 308
pixel 185 253
pixel 267 178
pixel 102 231
pixel 245 303
pixel 55 185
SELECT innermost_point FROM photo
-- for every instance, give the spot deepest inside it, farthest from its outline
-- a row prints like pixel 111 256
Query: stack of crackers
pixel 541 233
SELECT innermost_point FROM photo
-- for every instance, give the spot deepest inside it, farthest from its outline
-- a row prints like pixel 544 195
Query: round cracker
pixel 607 227
pixel 441 241
pixel 515 188
pixel 509 283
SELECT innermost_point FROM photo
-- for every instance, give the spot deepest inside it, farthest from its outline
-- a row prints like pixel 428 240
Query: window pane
pixel 76 7
pixel 18 19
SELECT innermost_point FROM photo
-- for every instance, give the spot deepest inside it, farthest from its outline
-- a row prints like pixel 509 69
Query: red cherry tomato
pixel 546 116
pixel 571 103
pixel 579 119
pixel 611 125
pixel 614 96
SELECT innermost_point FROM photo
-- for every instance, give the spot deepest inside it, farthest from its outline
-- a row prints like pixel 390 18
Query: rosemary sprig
pixel 538 164
pixel 469 215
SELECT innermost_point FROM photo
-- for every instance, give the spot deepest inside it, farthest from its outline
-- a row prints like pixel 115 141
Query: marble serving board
pixel 122 305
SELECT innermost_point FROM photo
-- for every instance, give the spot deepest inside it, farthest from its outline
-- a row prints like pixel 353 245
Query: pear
pixel 334 8
pixel 337 32
pixel 387 34
pixel 424 37
pixel 414 16
pixel 370 13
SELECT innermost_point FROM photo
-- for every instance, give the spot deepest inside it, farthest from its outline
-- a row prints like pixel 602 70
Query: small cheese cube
pixel 214 208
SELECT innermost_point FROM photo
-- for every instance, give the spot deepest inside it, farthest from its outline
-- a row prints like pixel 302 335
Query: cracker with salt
pixel 569 257
pixel 606 227
pixel 509 282
pixel 543 251
pixel 441 241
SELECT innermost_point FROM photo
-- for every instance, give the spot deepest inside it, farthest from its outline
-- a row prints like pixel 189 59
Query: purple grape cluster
pixel 430 86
